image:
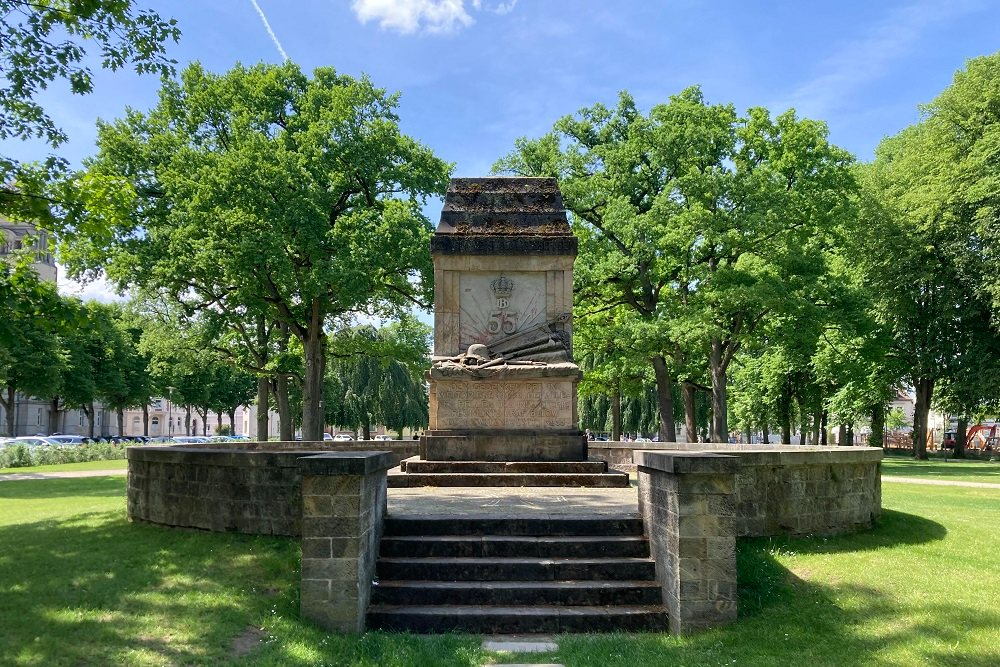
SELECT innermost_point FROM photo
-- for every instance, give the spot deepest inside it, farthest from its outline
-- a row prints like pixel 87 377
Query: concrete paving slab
pixel 520 644
pixel 521 501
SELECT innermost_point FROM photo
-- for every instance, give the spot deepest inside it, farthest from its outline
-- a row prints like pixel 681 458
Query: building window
pixel 81 417
pixel 100 414
pixel 38 417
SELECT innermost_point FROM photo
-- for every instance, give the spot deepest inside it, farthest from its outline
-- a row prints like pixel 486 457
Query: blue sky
pixel 476 74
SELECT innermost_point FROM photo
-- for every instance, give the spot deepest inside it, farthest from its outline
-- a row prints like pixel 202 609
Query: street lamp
pixel 170 413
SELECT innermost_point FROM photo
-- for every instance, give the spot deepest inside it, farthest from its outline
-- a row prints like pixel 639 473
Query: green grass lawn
pixel 117 464
pixel 79 585
pixel 955 470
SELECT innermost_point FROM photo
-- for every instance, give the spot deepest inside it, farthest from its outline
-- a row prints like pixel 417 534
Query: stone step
pixel 470 546
pixel 516 569
pixel 508 593
pixel 517 619
pixel 414 465
pixel 500 525
pixel 609 480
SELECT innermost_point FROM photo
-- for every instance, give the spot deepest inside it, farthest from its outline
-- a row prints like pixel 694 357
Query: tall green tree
pixel 42 43
pixel 376 377
pixel 298 197
pixel 31 356
pixel 702 221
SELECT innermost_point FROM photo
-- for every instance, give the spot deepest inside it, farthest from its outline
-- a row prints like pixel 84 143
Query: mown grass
pixel 952 469
pixel 115 464
pixel 80 585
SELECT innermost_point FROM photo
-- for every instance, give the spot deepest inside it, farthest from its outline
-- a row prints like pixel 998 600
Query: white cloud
pixel 95 290
pixel 868 58
pixel 433 16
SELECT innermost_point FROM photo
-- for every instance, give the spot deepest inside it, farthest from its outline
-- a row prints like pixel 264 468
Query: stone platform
pixel 417 472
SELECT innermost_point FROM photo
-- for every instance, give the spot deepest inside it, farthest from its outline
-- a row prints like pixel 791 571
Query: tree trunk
pixel 824 431
pixel 961 433
pixel 312 390
pixel 187 420
pixel 665 399
pixel 925 391
pixel 145 420
pixel 816 426
pixel 89 411
pixel 218 424
pixel 121 421
pixel 785 411
pixel 616 416
pixel 842 435
pixel 850 435
pixel 285 425
pixel 690 417
pixel 10 409
pixel 765 433
pixel 54 416
pixel 747 434
pixel 877 437
pixel 719 431
pixel 263 388
pixel 232 422
pixel 366 429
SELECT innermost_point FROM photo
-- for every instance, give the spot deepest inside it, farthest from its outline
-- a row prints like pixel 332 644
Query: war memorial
pixel 503 394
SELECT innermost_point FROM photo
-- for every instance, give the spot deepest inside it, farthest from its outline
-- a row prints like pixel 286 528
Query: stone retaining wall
pixel 253 487
pixel 790 489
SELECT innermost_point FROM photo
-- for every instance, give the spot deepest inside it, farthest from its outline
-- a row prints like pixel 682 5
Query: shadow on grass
pixel 90 588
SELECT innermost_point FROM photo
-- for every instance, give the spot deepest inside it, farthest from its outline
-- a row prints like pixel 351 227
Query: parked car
pixel 327 436
pixel 382 436
pixel 67 439
pixel 32 441
pixel 343 437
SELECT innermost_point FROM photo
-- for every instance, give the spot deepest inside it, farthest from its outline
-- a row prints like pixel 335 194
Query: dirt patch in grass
pixel 247 641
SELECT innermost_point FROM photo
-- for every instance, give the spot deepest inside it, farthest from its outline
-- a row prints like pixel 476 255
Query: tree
pixel 376 377
pixel 31 358
pixel 701 221
pixel 45 42
pixel 123 379
pixel 297 198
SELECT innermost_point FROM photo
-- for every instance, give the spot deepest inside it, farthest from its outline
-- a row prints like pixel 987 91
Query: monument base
pixel 505 445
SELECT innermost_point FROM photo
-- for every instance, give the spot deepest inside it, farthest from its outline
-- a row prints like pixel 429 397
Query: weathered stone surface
pixel 504 405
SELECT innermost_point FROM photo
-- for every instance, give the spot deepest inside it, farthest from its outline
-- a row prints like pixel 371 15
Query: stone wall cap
pixel 346 463
pixel 686 462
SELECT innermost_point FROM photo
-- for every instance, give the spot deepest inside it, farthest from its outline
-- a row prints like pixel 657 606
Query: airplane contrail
pixel 267 25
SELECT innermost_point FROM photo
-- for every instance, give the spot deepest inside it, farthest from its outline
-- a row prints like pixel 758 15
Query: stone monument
pixel 503 381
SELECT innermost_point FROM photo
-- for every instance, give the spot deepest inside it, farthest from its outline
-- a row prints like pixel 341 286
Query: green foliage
pixel 20 456
pixel 45 42
pixel 702 223
pixel 264 192
pixel 375 376
pixel 31 354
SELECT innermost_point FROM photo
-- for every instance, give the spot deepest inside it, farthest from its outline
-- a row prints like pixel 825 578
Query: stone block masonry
pixel 343 511
pixel 688 508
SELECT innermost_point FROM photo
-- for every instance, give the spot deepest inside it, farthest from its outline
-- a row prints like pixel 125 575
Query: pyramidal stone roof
pixel 503 215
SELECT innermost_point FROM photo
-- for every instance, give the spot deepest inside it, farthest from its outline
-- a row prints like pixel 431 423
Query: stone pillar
pixel 343 509
pixel 687 502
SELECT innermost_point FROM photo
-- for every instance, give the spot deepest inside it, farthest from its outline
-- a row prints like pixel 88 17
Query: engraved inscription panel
pixel 494 305
pixel 521 405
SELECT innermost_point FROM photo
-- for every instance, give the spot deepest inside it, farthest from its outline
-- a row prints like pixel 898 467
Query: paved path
pixel 940 482
pixel 65 474
pixel 540 501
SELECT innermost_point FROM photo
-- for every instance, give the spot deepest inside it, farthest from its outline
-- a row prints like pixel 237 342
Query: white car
pixel 343 437
pixel 383 436
pixel 32 441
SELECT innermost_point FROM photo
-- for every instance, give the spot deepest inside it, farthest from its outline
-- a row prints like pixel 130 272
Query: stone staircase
pixel 414 472
pixel 508 575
